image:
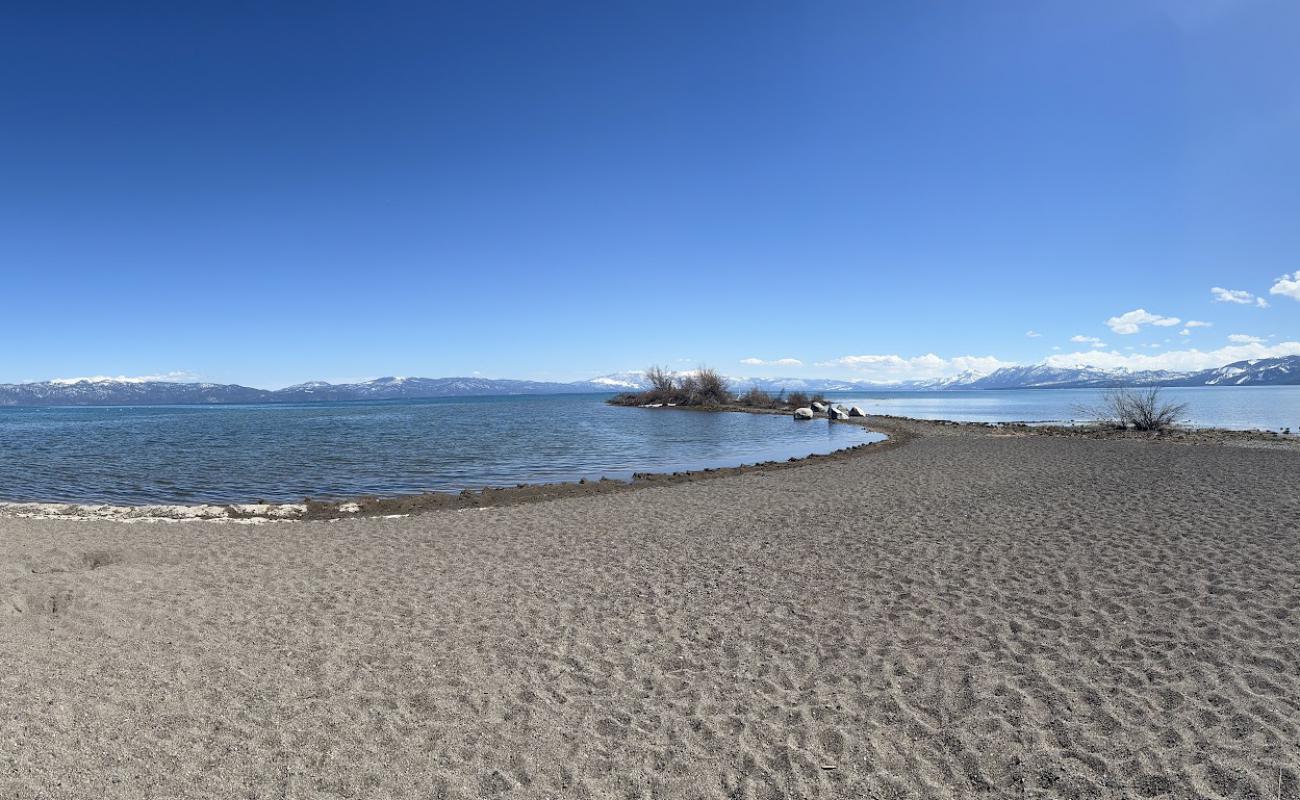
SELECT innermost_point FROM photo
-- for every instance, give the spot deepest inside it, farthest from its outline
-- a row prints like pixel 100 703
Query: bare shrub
pixel 687 391
pixel 757 398
pixel 711 388
pixel 797 400
pixel 1139 410
pixel 660 379
pixel 662 390
pixel 704 387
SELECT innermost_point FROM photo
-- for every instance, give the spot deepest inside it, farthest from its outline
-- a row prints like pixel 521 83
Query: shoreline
pixel 899 430
pixel 361 506
pixel 979 610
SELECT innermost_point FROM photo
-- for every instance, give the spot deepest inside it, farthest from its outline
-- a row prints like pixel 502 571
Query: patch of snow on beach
pixel 177 513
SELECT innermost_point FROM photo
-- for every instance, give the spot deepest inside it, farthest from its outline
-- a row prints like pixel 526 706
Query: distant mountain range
pixel 1257 372
pixel 102 392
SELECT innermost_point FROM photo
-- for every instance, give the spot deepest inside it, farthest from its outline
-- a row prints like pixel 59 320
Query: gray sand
pixel 967 614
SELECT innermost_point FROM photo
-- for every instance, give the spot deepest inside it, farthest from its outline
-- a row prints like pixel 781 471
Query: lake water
pixel 279 453
pixel 1235 407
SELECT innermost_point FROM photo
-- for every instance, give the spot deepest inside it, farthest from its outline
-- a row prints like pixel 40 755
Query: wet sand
pixel 968 612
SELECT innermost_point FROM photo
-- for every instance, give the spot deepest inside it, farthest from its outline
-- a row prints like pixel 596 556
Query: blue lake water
pixel 229 454
pixel 279 453
pixel 1235 407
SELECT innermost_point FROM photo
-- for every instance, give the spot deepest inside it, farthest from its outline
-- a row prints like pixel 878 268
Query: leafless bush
pixel 687 390
pixel 662 389
pixel 1140 410
pixel 797 400
pixel 704 387
pixel 660 379
pixel 756 398
pixel 711 388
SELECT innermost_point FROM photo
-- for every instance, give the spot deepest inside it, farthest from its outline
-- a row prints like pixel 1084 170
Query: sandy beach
pixel 969 612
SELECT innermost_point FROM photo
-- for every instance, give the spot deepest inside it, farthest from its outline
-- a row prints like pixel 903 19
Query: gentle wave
pixel 284 453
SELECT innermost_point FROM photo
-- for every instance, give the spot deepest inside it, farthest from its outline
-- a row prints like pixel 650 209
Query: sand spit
pixel 900 430
pixel 973 613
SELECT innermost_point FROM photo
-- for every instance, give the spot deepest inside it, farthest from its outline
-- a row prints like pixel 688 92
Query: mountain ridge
pixel 1280 371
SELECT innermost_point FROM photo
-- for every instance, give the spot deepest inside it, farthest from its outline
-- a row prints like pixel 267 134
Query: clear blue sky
pixel 267 193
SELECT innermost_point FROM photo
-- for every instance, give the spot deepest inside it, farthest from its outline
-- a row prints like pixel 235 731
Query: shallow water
pixel 282 453
pixel 1234 407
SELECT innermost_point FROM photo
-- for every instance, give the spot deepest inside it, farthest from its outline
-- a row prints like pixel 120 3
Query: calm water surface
pixel 229 454
pixel 225 454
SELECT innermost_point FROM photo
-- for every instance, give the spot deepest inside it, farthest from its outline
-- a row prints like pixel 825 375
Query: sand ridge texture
pixel 968 615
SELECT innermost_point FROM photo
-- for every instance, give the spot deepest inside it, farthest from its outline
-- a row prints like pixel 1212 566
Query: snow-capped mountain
pixel 1255 372
pixel 1042 376
pixel 134 391
pixel 621 381
pixel 635 381
pixel 959 381
pixel 100 392
pixel 399 388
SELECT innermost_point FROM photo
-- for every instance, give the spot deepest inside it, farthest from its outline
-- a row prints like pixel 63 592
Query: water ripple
pixel 282 453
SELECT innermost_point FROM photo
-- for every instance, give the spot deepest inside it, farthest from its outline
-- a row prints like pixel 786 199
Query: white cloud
pixel 1287 286
pixel 897 368
pixel 1132 321
pixel 1241 338
pixel 1033 334
pixel 1193 323
pixel 778 362
pixel 1176 360
pixel 1092 340
pixel 170 377
pixel 1238 296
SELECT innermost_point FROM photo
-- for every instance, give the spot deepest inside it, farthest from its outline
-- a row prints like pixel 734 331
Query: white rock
pixel 837 413
pixel 803 413
pixel 819 407
pixel 857 412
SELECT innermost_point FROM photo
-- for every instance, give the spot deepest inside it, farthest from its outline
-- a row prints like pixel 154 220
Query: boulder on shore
pixel 819 407
pixel 856 412
pixel 803 413
pixel 837 413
